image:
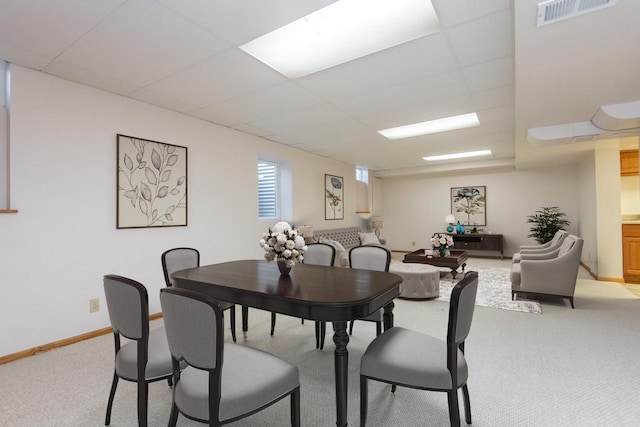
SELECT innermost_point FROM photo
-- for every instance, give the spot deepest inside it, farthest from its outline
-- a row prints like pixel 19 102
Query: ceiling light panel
pixel 459 155
pixel 341 32
pixel 432 126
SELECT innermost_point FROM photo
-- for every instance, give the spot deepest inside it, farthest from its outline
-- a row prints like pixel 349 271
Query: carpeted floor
pixel 562 368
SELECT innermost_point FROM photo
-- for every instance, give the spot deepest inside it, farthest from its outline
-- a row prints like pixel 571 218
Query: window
pixel 362 175
pixel 268 203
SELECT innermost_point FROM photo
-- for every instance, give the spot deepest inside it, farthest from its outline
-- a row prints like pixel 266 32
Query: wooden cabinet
pixel 631 252
pixel 628 162
pixel 478 242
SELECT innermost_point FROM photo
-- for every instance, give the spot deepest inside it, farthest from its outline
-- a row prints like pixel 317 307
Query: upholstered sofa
pixel 343 239
pixel 556 275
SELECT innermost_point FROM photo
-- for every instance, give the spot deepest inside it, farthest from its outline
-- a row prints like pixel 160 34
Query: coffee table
pixel 454 261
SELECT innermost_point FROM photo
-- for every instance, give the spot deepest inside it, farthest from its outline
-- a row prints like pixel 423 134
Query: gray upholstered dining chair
pixel 320 254
pixel 177 259
pixel 144 359
pixel 223 382
pixel 411 359
pixel 370 258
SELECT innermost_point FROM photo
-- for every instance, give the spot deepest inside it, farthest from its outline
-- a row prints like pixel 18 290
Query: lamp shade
pixel 450 219
pixel 376 224
pixel 306 230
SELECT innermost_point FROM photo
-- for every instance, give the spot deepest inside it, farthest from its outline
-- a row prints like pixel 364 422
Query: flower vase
pixel 444 252
pixel 282 266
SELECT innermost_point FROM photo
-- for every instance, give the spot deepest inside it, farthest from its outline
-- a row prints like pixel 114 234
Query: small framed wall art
pixel 333 197
pixel 469 205
pixel 152 184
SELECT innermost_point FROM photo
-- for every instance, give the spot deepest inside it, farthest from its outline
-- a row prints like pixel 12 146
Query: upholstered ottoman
pixel 421 281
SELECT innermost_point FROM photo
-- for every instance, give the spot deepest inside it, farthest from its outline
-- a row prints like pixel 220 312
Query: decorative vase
pixel 450 228
pixel 459 228
pixel 282 266
pixel 444 252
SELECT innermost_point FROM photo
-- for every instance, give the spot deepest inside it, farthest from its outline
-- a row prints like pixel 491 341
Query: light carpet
pixel 494 289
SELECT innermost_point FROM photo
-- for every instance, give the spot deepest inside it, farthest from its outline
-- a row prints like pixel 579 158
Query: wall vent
pixel 556 10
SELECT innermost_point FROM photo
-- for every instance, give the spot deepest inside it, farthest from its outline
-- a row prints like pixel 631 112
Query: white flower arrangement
pixel 441 242
pixel 282 241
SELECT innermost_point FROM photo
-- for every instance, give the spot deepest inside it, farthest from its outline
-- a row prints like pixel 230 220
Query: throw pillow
pixel 368 239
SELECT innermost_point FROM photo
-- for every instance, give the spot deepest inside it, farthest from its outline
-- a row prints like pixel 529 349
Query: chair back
pixel 461 307
pixel 128 306
pixel 558 237
pixel 194 327
pixel 177 259
pixel 370 258
pixel 320 254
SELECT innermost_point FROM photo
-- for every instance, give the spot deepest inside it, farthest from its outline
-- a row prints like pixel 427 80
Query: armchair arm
pixel 535 247
pixel 555 276
pixel 538 255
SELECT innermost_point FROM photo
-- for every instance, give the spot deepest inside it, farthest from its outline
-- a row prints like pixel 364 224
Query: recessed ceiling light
pixel 432 126
pixel 459 155
pixel 343 31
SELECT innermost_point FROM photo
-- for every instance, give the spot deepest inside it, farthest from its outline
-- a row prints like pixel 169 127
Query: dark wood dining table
pixel 313 292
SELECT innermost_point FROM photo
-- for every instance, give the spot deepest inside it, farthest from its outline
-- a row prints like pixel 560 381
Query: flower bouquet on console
pixel 441 243
pixel 282 242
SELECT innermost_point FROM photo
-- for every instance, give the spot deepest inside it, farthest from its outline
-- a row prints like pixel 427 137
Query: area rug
pixel 494 289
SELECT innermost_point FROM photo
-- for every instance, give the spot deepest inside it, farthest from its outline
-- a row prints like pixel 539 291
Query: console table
pixel 479 242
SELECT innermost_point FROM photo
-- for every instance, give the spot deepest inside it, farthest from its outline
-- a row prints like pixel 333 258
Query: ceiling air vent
pixel 557 10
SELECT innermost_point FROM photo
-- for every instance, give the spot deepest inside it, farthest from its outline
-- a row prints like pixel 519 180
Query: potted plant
pixel 546 223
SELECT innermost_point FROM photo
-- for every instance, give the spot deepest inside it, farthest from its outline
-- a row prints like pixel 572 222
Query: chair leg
pixel 317 334
pixel 112 394
pixel 394 387
pixel 295 408
pixel 467 404
pixel 454 410
pixel 273 323
pixel 378 328
pixel 302 321
pixel 173 418
pixel 143 391
pixel 351 327
pixel 571 301
pixel 364 400
pixel 232 318
pixel 323 333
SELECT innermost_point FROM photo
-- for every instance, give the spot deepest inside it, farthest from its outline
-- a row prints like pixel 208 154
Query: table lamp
pixel 451 220
pixel 306 231
pixel 376 225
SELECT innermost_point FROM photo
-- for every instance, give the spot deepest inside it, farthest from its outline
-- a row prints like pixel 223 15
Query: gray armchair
pixel 544 251
pixel 555 276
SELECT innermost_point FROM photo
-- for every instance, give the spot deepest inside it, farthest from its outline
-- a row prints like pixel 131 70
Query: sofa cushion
pixel 368 239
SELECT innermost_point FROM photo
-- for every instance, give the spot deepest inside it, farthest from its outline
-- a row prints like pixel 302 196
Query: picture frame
pixel 469 205
pixel 333 197
pixel 151 184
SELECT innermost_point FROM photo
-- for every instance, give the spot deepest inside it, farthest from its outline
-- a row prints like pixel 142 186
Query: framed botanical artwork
pixel 333 197
pixel 469 205
pixel 152 184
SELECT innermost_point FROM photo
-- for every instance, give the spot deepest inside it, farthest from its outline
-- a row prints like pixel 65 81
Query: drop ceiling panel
pixel 301 119
pixel 270 102
pixel 37 31
pixel 417 59
pixel 240 21
pixel 484 39
pixel 140 43
pixel 96 79
pixel 489 75
pixel 491 98
pixel 455 12
pixel 230 74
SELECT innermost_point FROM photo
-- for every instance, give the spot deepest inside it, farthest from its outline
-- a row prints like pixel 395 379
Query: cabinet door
pixel 629 162
pixel 631 257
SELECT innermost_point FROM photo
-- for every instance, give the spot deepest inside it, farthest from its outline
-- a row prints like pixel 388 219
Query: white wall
pixel 415 207
pixel 54 252
pixel 587 208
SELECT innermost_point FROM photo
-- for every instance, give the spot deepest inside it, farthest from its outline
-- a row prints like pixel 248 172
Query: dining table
pixel 314 292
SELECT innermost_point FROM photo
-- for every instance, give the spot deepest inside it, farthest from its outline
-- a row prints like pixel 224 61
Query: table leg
pixel 341 356
pixel 454 273
pixel 245 320
pixel 387 317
